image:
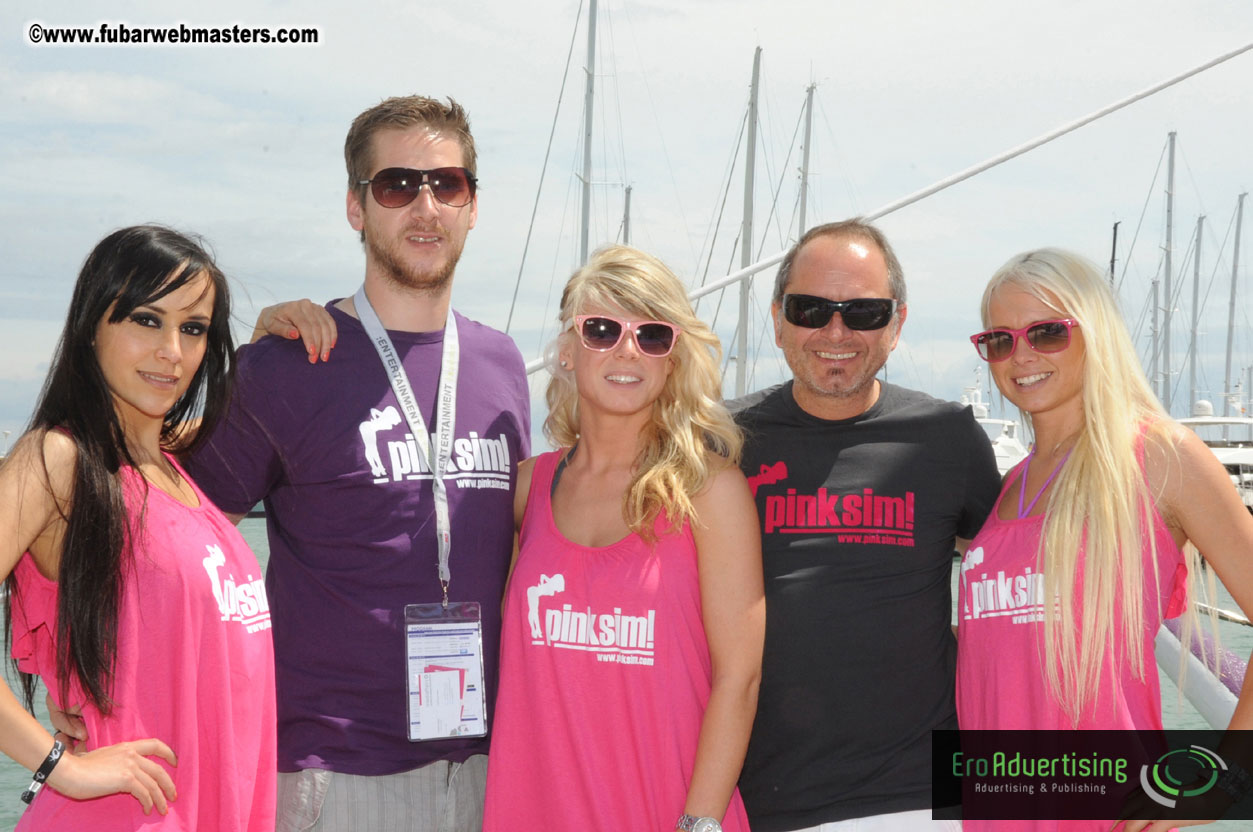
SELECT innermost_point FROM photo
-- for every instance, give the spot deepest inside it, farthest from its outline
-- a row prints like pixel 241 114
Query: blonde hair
pixel 1100 502
pixel 691 436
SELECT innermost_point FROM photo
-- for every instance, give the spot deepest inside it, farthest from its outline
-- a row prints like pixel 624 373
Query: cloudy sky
pixel 243 144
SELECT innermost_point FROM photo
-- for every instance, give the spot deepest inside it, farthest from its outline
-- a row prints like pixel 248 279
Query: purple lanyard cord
pixel 1022 486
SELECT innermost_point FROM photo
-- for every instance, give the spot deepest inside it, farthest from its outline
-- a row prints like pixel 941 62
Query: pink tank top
pixel 195 668
pixel 1001 684
pixel 604 678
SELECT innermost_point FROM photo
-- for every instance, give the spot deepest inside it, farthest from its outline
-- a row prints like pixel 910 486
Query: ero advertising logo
pixel 1017 773
pixel 1184 772
pixel 1071 775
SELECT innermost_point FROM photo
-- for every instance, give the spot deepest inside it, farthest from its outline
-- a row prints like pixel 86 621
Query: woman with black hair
pixel 130 595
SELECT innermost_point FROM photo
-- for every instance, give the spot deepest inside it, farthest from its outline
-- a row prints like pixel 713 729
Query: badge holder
pixel 444 669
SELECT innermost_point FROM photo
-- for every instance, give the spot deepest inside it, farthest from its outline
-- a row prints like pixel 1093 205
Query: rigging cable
pixel 1126 263
pixel 1145 306
pixel 552 272
pixel 963 175
pixel 1173 303
pixel 774 203
pixel 766 147
pixel 850 187
pixel 665 151
pixel 1204 301
pixel 551 133
pixel 726 193
pixel 976 169
pixel 617 95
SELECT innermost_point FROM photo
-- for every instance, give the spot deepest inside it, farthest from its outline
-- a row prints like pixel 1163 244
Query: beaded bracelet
pixel 49 763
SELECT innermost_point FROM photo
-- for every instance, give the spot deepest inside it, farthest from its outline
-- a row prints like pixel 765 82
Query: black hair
pixel 129 268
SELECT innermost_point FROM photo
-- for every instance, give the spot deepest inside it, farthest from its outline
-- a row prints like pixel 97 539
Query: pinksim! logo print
pixel 856 517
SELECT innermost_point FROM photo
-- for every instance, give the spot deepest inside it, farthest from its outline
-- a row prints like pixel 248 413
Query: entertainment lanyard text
pixel 435 454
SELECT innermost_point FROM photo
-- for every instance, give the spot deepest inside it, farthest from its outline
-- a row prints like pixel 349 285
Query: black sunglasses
pixel 859 313
pixel 397 187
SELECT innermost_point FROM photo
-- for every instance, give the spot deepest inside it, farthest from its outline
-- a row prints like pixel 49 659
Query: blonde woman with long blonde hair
pixel 634 616
pixel 1090 530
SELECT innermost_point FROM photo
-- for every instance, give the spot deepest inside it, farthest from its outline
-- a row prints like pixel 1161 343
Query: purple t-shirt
pixel 351 519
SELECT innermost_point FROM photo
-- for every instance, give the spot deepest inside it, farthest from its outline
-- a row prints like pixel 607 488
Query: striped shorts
pixel 439 797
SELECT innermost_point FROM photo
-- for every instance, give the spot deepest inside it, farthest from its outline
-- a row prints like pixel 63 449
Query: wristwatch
pixel 1236 782
pixel 690 824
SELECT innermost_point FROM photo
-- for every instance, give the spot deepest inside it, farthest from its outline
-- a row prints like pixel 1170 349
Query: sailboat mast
pixel 1231 306
pixel 1196 301
pixel 588 101
pixel 1154 337
pixel 626 218
pixel 809 129
pixel 1170 212
pixel 746 234
pixel 1113 254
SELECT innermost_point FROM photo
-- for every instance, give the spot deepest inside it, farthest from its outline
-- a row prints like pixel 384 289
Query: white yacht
pixel 1004 434
pixel 1231 440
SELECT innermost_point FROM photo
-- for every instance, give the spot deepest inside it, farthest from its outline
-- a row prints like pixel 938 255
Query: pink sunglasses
pixel 604 332
pixel 1045 336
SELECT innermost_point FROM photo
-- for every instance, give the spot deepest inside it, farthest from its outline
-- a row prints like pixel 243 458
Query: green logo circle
pixel 1196 766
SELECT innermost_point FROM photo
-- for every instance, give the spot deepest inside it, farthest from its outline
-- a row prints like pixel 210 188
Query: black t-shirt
pixel 858 521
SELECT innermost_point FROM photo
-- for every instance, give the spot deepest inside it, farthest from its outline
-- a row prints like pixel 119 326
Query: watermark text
pixel 124 34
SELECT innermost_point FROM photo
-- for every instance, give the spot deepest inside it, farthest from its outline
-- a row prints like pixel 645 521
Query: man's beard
pixel 394 268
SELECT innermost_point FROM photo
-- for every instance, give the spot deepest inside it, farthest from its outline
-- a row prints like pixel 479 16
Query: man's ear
pixel 355 210
pixel 902 311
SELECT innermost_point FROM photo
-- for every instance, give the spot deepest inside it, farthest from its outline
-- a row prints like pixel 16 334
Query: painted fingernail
pixel 326 355
pixel 291 333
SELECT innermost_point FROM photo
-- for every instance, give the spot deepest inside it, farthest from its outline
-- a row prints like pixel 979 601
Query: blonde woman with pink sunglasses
pixel 634 617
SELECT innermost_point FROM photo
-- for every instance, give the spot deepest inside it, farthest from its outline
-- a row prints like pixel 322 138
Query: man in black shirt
pixel 864 489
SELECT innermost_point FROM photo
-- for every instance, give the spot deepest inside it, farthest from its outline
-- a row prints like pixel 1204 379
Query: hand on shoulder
pixel 301 319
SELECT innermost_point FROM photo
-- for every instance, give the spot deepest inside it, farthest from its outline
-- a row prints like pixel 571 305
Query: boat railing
pixel 1225 615
pixel 1214 695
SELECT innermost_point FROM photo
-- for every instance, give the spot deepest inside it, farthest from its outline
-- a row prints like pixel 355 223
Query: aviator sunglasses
pixel 604 332
pixel 397 187
pixel 1046 336
pixel 813 312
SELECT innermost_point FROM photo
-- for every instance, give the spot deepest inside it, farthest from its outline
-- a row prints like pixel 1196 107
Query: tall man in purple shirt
pixel 366 515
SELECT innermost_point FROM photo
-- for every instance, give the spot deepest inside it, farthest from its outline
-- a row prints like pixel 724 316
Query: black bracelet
pixel 49 763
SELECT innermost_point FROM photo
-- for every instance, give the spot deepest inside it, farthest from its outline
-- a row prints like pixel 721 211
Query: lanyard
pixel 437 453
pixel 1022 486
